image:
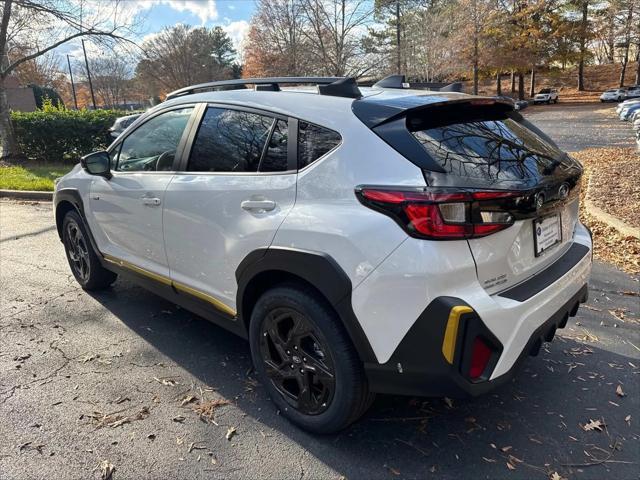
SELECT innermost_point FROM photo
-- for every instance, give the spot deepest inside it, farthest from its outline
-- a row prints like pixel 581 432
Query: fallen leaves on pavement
pixel 115 420
pixel 106 469
pixel 618 195
pixel 593 425
pixel 206 410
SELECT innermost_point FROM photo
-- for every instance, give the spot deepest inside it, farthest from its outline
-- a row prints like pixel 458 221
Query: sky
pixel 154 15
pixel 232 15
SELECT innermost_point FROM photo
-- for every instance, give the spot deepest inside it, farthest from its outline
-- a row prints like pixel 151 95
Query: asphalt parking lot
pixel 126 379
pixel 576 126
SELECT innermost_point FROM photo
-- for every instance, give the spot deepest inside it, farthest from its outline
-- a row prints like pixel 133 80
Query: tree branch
pixel 87 33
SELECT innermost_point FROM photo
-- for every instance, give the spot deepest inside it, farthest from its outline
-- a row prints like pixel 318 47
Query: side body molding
pixel 318 269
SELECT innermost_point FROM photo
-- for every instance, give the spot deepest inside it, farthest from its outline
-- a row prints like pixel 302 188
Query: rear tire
pixel 306 361
pixel 83 260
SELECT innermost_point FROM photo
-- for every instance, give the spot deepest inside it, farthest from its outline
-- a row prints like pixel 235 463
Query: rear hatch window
pixel 499 149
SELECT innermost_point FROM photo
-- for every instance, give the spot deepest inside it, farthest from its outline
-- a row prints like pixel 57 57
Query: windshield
pixel 545 90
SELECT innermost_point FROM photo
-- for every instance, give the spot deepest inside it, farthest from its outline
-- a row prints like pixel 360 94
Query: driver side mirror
pixel 97 163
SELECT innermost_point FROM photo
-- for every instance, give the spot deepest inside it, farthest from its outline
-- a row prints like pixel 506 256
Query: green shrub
pixel 55 134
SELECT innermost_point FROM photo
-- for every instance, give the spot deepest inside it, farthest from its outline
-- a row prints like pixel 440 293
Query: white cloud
pixel 237 31
pixel 205 10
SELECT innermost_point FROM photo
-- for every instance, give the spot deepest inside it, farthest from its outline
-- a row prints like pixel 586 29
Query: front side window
pixel 231 141
pixel 152 146
pixel 314 142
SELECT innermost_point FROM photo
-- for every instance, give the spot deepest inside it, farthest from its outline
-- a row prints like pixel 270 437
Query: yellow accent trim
pixel 167 281
pixel 451 332
pixel 206 297
pixel 130 266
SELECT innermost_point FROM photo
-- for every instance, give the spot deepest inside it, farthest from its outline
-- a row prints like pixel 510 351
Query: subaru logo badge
pixel 539 200
pixel 563 191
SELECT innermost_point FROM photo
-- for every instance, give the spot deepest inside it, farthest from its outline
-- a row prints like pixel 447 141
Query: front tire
pixel 83 261
pixel 306 361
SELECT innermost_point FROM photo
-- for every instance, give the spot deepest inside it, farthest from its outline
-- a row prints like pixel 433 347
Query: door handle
pixel 152 202
pixel 258 205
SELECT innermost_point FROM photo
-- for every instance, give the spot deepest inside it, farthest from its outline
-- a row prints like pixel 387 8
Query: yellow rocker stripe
pixel 167 281
pixel 451 332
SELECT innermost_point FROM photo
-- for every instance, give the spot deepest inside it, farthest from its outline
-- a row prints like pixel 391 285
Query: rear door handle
pixel 152 202
pixel 258 205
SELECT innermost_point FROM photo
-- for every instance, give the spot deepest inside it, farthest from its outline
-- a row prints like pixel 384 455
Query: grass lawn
pixel 31 176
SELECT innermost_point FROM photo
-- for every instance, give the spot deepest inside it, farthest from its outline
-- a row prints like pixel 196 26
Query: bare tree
pixel 182 55
pixel 30 29
pixel 111 75
pixel 335 30
pixel 276 45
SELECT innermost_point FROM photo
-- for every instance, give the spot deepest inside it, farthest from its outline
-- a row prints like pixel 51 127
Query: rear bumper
pixel 418 367
pixel 515 323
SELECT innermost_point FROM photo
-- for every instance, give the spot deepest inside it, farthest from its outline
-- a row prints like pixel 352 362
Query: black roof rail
pixel 334 86
pixel 399 81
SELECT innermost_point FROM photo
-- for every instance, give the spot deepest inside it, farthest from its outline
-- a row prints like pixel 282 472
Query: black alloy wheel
pixel 77 251
pixel 83 260
pixel 305 359
pixel 297 362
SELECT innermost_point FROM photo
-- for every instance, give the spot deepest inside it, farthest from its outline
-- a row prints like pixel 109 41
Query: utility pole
pixel 86 62
pixel 73 87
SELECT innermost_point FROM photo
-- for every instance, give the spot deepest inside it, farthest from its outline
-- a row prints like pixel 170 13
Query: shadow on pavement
pixel 531 424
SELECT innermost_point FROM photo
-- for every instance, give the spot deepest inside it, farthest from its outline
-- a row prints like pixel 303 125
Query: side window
pixel 314 142
pixel 275 157
pixel 229 141
pixel 152 146
pixel 113 157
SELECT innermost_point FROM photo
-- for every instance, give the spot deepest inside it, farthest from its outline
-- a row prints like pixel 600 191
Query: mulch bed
pixel 614 174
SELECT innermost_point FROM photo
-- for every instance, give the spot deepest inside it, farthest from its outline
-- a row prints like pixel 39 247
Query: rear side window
pixel 491 150
pixel 230 141
pixel 314 142
pixel 275 157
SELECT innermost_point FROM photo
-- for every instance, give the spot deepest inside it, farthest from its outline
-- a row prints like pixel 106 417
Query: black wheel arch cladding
pixel 316 268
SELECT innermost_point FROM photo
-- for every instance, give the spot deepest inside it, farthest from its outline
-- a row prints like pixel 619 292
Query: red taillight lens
pixel 480 356
pixel 439 214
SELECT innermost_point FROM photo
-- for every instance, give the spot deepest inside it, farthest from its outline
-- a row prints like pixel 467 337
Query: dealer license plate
pixel 547 232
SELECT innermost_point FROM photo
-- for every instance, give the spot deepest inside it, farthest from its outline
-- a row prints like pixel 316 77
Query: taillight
pixel 441 214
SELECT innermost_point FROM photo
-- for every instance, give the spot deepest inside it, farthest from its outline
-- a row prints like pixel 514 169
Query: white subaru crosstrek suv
pixel 374 240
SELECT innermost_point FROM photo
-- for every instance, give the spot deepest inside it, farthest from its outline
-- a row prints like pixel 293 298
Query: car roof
pixel 305 103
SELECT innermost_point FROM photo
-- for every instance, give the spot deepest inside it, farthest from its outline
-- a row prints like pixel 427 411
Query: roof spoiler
pixel 333 86
pixel 399 81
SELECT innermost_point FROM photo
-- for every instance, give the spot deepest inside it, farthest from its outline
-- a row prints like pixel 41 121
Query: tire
pixel 83 260
pixel 293 333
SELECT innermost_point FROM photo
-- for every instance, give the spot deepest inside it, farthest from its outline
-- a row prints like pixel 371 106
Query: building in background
pixel 20 98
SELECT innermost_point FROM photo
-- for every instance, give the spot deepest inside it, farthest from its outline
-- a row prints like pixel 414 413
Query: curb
pixel 610 220
pixel 622 227
pixel 26 195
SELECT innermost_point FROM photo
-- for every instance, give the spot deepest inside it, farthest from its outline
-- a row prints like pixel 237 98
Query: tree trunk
pixel 9 149
pixel 583 44
pixel 637 81
pixel 520 86
pixel 398 32
pixel 499 83
pixel 625 59
pixel 513 81
pixel 532 85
